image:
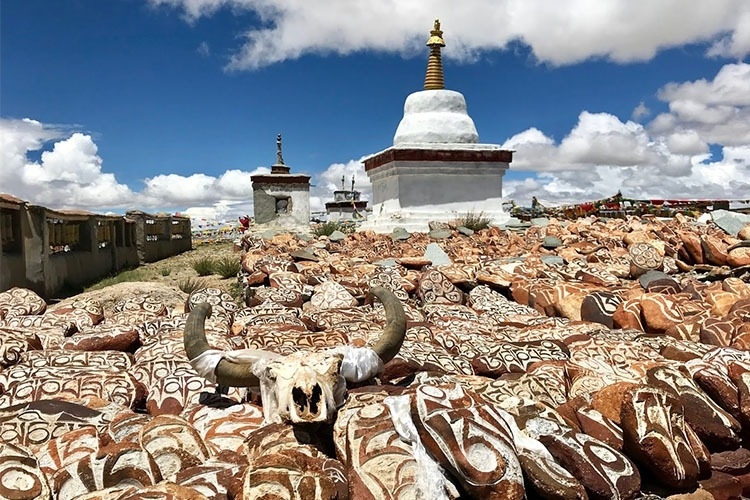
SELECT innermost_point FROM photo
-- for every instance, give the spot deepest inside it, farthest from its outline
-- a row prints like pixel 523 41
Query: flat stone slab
pixel 437 255
pixel 440 234
pixel 337 236
pixel 730 222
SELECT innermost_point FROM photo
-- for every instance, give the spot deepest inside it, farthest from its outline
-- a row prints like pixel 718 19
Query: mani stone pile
pixel 603 359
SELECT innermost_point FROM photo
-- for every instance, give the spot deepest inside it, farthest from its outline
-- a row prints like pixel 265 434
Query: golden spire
pixel 434 79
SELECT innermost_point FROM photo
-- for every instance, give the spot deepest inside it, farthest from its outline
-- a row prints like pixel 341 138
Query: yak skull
pixel 306 386
pixel 302 387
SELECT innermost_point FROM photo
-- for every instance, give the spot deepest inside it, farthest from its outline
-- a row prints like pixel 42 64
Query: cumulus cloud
pixel 667 158
pixel 70 174
pixel 562 32
pixel 640 111
pixel 728 178
pixel 328 181
pixel 717 110
pixel 737 42
pixel 597 139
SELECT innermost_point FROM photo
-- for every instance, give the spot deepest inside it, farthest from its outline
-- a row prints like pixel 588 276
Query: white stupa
pixel 436 169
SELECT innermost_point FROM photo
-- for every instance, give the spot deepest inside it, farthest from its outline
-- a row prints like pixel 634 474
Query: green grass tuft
pixel 235 290
pixel 189 285
pixel 327 228
pixel 227 267
pixel 474 221
pixel 165 271
pixel 204 266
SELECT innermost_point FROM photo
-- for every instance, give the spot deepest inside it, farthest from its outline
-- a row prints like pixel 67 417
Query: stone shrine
pixel 281 200
pixel 346 204
pixel 436 169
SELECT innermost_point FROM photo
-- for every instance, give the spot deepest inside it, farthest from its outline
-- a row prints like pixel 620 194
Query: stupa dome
pixel 435 116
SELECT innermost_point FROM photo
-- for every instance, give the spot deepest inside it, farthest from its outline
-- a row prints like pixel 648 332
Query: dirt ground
pixel 181 266
pixel 162 279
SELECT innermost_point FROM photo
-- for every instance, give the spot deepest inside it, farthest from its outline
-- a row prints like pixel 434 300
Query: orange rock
pixel 414 262
pixel 739 257
pixel 714 250
pixel 721 302
pixel 736 285
pixel 608 401
pixel 628 315
pixel 660 312
pixel 692 245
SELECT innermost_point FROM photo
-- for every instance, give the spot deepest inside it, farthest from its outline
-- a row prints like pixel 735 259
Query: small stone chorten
pixel 281 200
pixel 346 204
pixel 436 169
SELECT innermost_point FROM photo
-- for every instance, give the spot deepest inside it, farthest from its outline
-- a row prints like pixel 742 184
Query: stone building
pixel 281 200
pixel 436 170
pixel 346 204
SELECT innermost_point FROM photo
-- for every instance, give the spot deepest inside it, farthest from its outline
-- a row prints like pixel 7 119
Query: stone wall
pixel 160 236
pixel 48 250
pixel 296 211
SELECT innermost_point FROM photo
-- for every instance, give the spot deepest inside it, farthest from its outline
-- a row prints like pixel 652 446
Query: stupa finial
pixel 434 79
pixel 279 156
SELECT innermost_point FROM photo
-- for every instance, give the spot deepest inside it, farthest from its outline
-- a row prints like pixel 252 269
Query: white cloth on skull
pixel 205 363
pixel 359 364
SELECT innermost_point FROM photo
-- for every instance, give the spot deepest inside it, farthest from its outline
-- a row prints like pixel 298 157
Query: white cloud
pixel 737 42
pixel 70 174
pixel 597 139
pixel 204 49
pixel 728 178
pixel 67 176
pixel 717 110
pixel 561 32
pixel 329 181
pixel 669 158
pixel 640 111
pixel 221 210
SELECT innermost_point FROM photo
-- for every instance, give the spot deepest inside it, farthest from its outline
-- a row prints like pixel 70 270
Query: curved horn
pixel 394 332
pixel 228 373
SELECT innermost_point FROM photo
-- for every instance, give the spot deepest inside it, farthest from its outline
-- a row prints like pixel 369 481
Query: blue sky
pixel 172 104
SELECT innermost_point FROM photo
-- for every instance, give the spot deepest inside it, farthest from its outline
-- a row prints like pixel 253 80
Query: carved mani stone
pixel 213 478
pixel 173 443
pixel 435 288
pixel 380 465
pixel 517 357
pixel 470 439
pixel 295 475
pixel 654 431
pixel 716 427
pixel 644 257
pixel 116 464
pixel 224 428
pixel 20 475
pixel 603 471
pixel 600 307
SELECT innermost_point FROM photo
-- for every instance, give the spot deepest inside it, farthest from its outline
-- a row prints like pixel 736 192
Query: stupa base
pixel 387 216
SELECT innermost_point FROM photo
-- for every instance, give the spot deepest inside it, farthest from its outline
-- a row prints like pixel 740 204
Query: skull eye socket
pixel 315 398
pixel 301 400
